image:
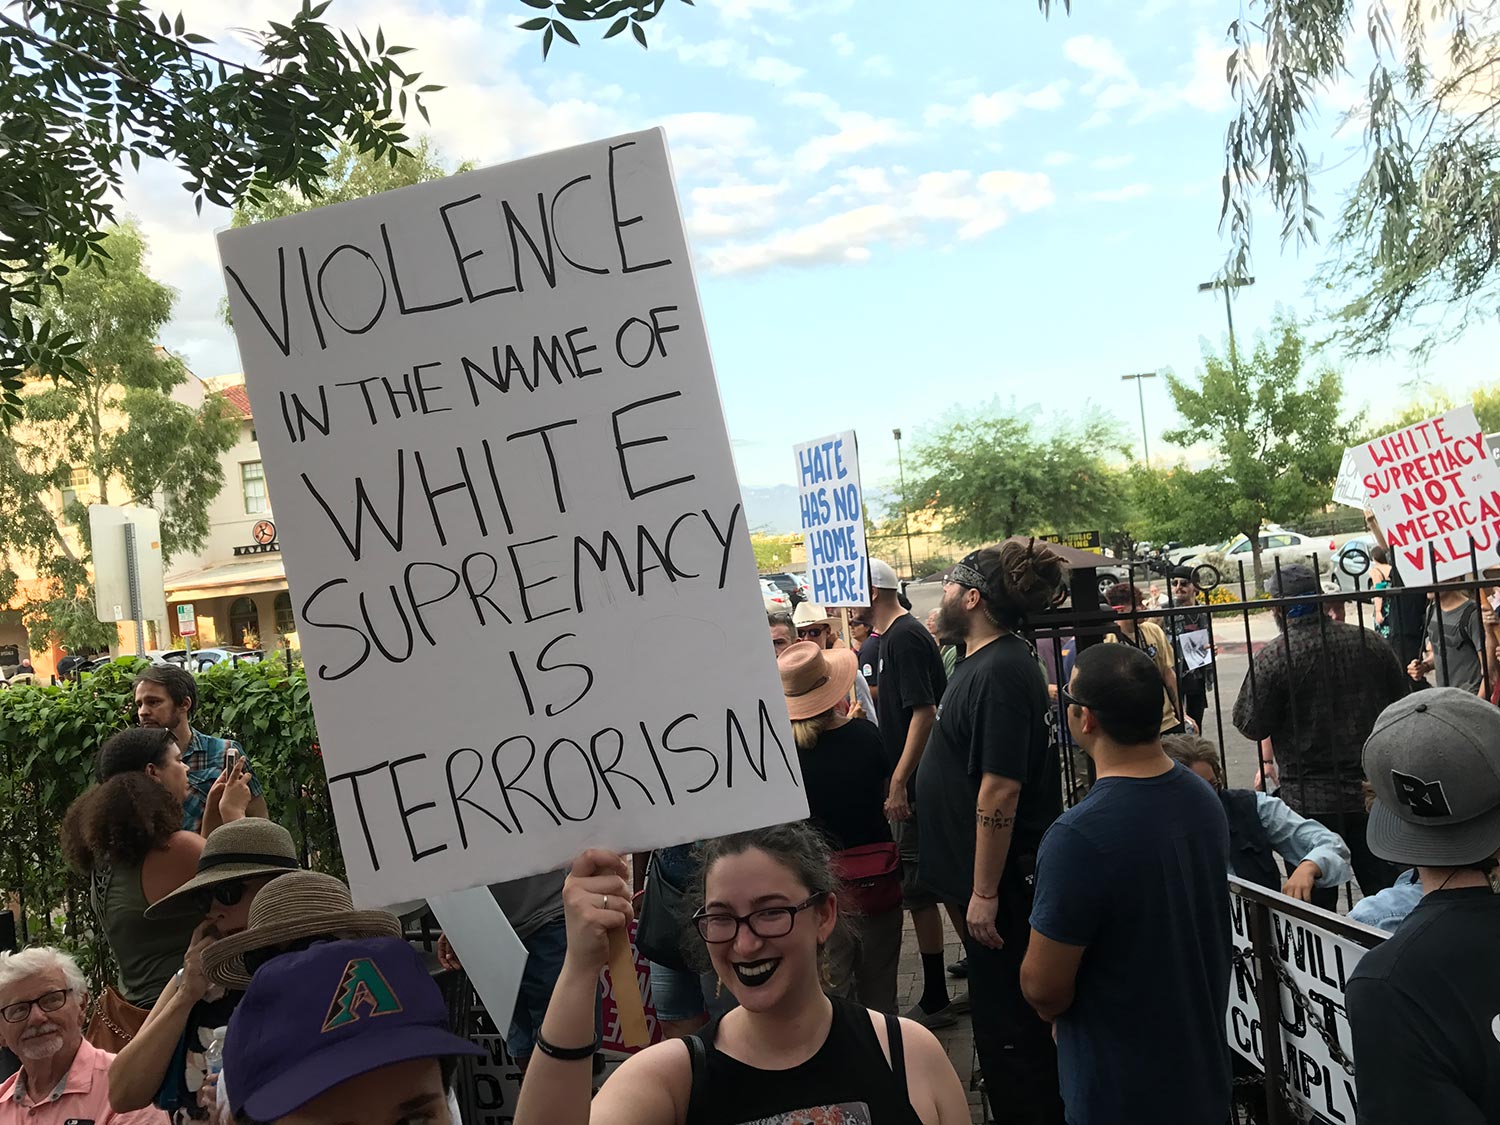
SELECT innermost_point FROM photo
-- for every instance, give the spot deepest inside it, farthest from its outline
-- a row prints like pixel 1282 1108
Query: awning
pixel 228 580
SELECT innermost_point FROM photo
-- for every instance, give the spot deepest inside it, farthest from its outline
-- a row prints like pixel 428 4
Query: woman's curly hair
pixel 127 815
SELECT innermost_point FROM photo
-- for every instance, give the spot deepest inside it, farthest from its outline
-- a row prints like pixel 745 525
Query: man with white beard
pixel 62 1078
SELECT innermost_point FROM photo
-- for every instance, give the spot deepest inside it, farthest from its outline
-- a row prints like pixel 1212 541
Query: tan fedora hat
pixel 250 848
pixel 302 904
pixel 813 679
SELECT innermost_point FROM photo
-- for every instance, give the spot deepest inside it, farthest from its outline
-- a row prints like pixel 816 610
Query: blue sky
pixel 895 208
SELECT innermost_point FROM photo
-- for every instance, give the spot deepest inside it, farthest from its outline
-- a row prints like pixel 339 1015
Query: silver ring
pixel 603 902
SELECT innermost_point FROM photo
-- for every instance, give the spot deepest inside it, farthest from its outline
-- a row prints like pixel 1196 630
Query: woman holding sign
pixel 770 905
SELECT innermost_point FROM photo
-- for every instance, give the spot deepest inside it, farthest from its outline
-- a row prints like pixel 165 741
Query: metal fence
pixel 1287 1079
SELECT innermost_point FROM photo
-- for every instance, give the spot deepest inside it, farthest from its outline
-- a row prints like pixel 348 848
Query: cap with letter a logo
pixel 313 1019
pixel 1433 760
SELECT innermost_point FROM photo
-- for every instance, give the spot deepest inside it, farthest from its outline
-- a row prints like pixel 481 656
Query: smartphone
pixel 230 757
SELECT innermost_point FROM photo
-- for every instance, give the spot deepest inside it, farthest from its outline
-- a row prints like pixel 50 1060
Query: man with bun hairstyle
pixel 989 787
pixel 1424 1008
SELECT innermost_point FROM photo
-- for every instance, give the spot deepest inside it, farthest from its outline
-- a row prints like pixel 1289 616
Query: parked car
pixel 201 659
pixel 789 585
pixel 1353 556
pixel 1277 545
pixel 775 598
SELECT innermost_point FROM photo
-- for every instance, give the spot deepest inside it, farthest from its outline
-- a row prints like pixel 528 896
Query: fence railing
pixel 1291 959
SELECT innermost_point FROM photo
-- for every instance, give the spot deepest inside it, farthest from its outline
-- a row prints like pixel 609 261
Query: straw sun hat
pixel 302 904
pixel 814 679
pixel 251 848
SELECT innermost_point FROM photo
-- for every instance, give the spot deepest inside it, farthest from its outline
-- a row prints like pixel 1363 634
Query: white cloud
pixel 1058 159
pixel 732 209
pixel 1207 84
pixel 985 111
pixel 879 66
pixel 1200 83
pixel 842 45
pixel 736 11
pixel 1098 56
pixel 1110 163
pixel 778 72
pixel 1117 195
pixel 957 204
pixel 856 131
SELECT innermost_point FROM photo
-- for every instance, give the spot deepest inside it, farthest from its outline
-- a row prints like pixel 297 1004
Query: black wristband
pixel 565 1054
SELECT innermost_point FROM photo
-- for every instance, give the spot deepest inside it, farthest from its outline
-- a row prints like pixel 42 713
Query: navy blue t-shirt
pixel 1135 874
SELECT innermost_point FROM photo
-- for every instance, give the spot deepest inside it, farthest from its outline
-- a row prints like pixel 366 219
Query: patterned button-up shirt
pixel 1316 692
pixel 204 756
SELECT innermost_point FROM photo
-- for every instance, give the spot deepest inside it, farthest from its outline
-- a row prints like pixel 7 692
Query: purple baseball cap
pixel 313 1019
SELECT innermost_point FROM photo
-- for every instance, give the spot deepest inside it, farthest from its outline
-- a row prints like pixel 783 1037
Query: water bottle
pixel 213 1058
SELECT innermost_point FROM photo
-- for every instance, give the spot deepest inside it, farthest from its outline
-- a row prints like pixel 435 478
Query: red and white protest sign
pixel 1433 486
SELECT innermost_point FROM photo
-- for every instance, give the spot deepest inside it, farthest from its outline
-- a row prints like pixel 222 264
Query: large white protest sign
pixel 521 573
pixel 1319 964
pixel 1433 486
pixel 833 520
pixel 1348 486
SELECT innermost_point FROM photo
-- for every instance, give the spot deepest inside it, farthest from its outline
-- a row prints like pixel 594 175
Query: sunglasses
pixel 810 631
pixel 225 894
pixel 1069 697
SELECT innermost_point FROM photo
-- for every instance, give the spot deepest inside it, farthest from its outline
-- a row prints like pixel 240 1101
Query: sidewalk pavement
pixel 958 1040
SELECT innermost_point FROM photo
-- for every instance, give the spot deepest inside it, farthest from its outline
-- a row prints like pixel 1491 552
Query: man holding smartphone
pixel 167 697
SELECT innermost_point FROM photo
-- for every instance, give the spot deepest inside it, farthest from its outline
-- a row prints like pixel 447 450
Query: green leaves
pixel 983 476
pixel 86 87
pixel 619 14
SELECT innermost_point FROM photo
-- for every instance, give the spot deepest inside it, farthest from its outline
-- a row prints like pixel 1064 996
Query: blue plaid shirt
pixel 204 756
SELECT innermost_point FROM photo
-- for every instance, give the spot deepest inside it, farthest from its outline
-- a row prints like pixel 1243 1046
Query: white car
pixel 1276 545
pixel 774 597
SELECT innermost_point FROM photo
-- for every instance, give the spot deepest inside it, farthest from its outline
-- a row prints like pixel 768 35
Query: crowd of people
pixel 1096 938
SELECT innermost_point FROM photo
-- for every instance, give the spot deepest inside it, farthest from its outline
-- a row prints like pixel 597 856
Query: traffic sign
pixel 187 622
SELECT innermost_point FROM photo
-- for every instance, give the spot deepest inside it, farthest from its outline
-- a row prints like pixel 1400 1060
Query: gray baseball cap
pixel 1433 760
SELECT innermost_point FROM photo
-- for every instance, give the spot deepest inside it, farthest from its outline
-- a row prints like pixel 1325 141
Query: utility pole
pixel 1140 394
pixel 911 565
pixel 1228 284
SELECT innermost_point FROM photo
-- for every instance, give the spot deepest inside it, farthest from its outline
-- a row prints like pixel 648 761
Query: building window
pixel 78 477
pixel 253 485
pixel 244 623
pixel 286 621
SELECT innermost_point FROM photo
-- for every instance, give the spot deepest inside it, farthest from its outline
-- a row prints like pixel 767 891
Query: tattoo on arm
pixel 996 820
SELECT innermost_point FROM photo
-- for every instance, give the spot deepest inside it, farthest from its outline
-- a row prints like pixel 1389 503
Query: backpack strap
pixel 698 1092
pixel 898 1051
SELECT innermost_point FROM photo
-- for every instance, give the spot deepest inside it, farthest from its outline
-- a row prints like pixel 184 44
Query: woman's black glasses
pixel 769 922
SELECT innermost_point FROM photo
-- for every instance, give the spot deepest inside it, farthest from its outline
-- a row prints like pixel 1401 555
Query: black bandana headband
pixel 966 574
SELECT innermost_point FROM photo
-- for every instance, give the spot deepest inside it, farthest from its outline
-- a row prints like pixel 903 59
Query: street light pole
pixel 1141 394
pixel 911 565
pixel 1228 284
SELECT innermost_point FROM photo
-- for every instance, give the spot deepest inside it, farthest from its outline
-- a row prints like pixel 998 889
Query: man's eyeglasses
pixel 20 1011
pixel 1180 583
pixel 770 922
pixel 1069 697
pixel 812 632
pixel 225 894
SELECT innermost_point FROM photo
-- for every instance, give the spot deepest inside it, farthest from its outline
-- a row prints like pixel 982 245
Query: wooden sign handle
pixel 627 991
pixel 849 644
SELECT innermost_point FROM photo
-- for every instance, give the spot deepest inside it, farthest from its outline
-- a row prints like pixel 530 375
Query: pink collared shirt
pixel 82 1096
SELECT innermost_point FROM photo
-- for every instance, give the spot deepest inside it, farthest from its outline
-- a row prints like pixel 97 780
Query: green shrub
pixel 49 737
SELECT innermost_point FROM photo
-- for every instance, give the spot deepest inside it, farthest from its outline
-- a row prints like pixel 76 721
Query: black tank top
pixel 847 1082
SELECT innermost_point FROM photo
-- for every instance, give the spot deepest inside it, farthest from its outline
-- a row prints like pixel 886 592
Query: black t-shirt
pixel 845 777
pixel 1134 873
pixel 911 676
pixel 869 660
pixel 1424 1009
pixel 993 719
